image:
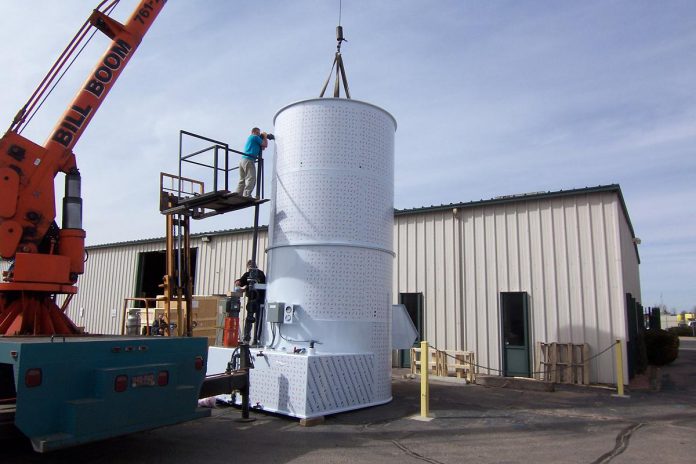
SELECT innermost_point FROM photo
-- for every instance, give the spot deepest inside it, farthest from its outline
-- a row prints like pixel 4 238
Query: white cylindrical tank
pixel 330 252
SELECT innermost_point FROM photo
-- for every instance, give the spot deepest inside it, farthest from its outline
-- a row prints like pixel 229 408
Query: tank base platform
pixel 306 386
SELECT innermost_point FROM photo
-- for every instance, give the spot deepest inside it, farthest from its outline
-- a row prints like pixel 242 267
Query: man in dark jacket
pixel 255 298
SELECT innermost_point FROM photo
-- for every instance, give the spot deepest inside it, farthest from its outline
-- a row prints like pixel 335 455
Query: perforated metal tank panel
pixel 330 238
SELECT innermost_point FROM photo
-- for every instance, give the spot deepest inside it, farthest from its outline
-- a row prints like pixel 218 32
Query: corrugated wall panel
pixel 479 273
pixel 564 252
pixel 526 264
pixel 605 326
pixel 613 256
pixel 617 291
pixel 470 318
pixel 537 274
pixel 629 262
pixel 429 285
pixel 451 311
pixel 629 258
pixel 574 275
pixel 502 265
pixel 561 270
pixel 438 261
pixel 412 265
pixel 223 259
pixel 111 273
pixel 420 261
pixel 458 280
pixel 492 286
pixel 550 289
pixel 512 248
pixel 588 285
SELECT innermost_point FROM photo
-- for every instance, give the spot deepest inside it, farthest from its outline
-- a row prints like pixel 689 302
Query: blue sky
pixel 491 97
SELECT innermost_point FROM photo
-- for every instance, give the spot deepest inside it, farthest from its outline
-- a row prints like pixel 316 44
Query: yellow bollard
pixel 619 371
pixel 425 389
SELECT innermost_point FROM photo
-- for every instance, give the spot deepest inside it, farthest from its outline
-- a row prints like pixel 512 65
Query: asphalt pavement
pixel 470 423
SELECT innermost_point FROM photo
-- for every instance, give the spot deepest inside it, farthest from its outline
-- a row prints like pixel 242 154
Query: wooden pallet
pixel 446 362
pixel 563 363
pixel 458 363
pixel 433 361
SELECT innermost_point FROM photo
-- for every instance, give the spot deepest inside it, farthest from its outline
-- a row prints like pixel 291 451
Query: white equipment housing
pixel 330 260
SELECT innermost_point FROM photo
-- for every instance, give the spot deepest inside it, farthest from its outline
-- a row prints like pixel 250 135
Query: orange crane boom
pixel 49 259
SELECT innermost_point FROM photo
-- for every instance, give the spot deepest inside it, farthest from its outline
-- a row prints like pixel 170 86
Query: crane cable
pixel 38 98
pixel 338 63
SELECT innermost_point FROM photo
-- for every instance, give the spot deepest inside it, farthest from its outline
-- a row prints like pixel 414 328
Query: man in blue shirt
pixel 247 165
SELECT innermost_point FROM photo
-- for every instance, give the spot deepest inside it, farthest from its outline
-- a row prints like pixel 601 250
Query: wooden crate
pixel 206 306
pixel 204 315
pixel 205 309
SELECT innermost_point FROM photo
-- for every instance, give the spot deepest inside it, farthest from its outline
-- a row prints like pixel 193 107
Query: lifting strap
pixel 340 70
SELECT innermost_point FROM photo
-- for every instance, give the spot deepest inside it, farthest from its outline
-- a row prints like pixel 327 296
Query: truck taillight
pixel 199 363
pixel 120 383
pixel 163 378
pixel 32 378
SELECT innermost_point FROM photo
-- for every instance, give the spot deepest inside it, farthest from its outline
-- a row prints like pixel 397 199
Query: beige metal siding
pixel 629 259
pixel 628 270
pixel 223 259
pixel 109 277
pixel 564 252
pixel 111 273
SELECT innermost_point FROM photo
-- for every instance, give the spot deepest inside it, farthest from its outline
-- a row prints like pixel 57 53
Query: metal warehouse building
pixel 492 276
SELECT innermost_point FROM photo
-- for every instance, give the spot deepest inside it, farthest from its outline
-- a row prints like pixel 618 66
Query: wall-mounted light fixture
pixel 205 239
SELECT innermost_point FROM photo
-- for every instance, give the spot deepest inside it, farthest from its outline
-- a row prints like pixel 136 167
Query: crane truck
pixel 59 386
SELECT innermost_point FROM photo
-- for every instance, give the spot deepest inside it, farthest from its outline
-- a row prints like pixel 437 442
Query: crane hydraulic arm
pixel 48 259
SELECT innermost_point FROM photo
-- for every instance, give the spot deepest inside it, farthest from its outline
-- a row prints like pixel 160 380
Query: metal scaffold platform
pixel 183 198
pixel 217 202
pixel 182 195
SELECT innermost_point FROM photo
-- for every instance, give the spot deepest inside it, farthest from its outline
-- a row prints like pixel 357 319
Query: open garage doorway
pixel 152 265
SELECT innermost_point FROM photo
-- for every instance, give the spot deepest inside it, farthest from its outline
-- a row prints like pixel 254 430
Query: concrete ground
pixel 471 423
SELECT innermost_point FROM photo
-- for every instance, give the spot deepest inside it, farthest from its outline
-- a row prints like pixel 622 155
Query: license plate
pixel 144 380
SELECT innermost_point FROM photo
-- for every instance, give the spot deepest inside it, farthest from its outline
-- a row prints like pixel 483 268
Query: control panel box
pixel 274 312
